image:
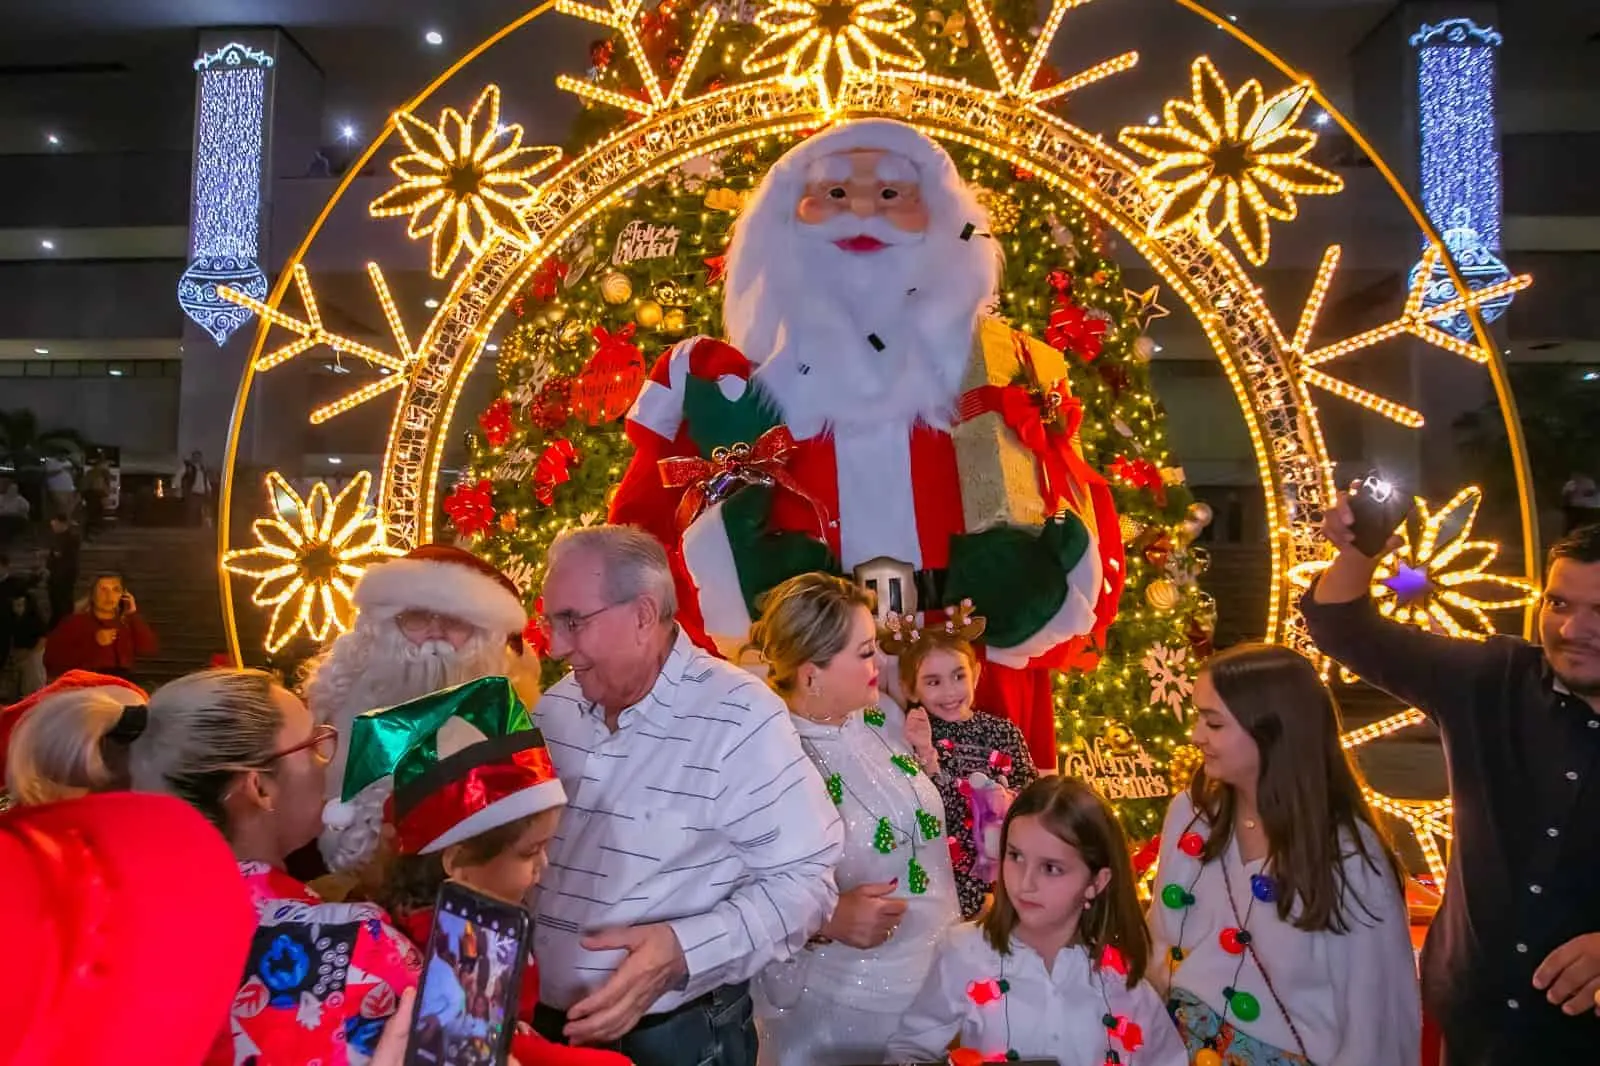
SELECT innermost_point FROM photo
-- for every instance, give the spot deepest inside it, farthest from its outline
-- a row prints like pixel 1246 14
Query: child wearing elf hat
pixel 476 800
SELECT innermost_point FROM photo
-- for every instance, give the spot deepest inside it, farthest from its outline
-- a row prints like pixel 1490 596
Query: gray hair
pixel 632 564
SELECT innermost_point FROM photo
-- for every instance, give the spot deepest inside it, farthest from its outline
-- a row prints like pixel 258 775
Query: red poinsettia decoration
pixel 553 468
pixel 1072 329
pixel 606 387
pixel 1141 474
pixel 1147 855
pixel 496 421
pixel 471 507
pixel 984 992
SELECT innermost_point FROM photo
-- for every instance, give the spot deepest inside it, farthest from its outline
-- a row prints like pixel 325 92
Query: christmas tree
pixel 616 297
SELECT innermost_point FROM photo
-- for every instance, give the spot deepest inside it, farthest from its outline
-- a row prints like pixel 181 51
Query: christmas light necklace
pixel 888 836
pixel 1120 1027
pixel 1235 940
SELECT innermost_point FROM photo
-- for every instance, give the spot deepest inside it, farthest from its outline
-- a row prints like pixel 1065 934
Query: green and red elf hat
pixel 465 760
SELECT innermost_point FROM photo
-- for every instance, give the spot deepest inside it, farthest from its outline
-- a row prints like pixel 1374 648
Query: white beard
pixel 375 666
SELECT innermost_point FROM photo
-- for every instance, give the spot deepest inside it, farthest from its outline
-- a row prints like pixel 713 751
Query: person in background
pixel 14 512
pixel 61 567
pixel 61 484
pixel 320 979
pixel 1580 501
pixel 193 486
pixel 1280 924
pixel 1055 967
pixel 1511 967
pixel 22 627
pixel 95 486
pixel 144 873
pixel 106 636
pixel 700 843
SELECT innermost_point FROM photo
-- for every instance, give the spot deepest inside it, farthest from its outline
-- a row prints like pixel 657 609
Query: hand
pixel 655 963
pixel 1337 521
pixel 391 1049
pixel 864 918
pixel 919 734
pixel 105 637
pixel 1570 975
pixel 129 604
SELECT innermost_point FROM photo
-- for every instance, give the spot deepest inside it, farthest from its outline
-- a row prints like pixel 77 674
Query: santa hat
pixel 465 760
pixel 94 890
pixel 71 681
pixel 446 579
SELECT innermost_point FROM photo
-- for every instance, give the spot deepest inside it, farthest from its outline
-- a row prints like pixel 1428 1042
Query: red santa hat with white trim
pixel 446 579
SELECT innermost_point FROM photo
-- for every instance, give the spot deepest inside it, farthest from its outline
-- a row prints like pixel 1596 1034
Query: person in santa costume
pixel 475 800
pixel 437 617
pixel 866 417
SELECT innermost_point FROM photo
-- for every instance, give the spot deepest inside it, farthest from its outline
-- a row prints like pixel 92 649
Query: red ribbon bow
pixel 748 463
pixel 471 507
pixel 553 469
pixel 1141 474
pixel 496 422
pixel 1045 427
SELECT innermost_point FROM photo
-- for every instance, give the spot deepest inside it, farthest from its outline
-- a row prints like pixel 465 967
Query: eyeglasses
pixel 323 742
pixel 416 622
pixel 568 625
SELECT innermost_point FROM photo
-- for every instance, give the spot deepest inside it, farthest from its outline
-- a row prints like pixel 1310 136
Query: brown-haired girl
pixel 1281 916
pixel 938 669
pixel 1054 969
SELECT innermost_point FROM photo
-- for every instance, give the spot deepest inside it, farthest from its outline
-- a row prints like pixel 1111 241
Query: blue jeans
pixel 718 1029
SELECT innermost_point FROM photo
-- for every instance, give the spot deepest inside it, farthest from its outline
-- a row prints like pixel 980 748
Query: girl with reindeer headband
pixel 977 760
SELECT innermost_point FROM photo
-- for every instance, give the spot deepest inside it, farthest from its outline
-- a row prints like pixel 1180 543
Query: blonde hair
pixel 201 730
pixel 805 620
pixel 60 749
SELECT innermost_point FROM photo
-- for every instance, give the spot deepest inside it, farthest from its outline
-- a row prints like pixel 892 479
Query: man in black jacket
pixel 21 628
pixel 62 563
pixel 1511 968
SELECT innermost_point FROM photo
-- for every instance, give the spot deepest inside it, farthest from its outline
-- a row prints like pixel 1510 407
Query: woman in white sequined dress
pixel 839 1001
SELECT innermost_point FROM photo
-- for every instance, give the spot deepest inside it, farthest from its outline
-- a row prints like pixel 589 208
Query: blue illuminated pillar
pixel 1459 140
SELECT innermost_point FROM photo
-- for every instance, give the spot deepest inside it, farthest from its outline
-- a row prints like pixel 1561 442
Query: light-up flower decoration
pixel 464 181
pixel 1230 161
pixel 1438 579
pixel 309 555
pixel 803 36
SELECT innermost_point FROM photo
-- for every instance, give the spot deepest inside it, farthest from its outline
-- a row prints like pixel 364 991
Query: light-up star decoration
pixel 807 38
pixel 1429 820
pixel 309 556
pixel 1230 161
pixel 1438 578
pixel 464 181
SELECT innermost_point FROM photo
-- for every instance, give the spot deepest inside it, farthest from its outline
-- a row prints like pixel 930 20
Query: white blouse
pixel 1057 1013
pixel 1353 996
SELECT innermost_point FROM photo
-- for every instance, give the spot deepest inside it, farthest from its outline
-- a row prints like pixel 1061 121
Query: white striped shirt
pixel 701 811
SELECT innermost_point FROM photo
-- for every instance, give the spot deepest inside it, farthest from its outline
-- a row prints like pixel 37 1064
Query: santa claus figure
pixel 435 618
pixel 867 417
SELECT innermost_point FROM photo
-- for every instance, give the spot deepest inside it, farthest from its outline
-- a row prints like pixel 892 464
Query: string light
pixel 804 36
pixel 227 189
pixel 309 555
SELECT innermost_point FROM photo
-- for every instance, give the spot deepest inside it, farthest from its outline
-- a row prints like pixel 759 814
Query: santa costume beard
pixel 848 338
pixel 373 666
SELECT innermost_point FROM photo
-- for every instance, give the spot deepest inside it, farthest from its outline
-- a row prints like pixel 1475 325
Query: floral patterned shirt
pixel 320 981
pixel 986 744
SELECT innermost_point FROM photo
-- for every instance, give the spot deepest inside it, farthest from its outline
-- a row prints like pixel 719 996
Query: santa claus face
pixel 422 627
pixel 864 201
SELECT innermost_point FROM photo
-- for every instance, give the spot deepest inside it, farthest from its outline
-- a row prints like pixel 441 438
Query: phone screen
pixel 466 1006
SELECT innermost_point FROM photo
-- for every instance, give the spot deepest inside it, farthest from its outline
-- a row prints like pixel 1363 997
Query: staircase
pixel 172 573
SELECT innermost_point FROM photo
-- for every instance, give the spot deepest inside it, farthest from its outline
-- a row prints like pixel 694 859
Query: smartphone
pixel 466 1008
pixel 1377 507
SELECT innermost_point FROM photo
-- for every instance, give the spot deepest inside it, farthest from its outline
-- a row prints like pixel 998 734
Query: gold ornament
pixel 571 332
pixel 508 523
pixel 1120 737
pixel 1003 210
pixel 1130 528
pixel 1182 766
pixel 1162 594
pixel 675 321
pixel 615 288
pixel 648 314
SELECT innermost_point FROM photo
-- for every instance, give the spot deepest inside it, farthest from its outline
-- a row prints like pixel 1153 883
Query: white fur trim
pixel 709 559
pixel 877 505
pixel 1075 618
pixel 659 408
pixel 354 845
pixel 531 800
pixel 399 584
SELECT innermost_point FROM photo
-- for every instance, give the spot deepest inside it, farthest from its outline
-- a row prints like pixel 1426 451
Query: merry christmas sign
pixel 1116 774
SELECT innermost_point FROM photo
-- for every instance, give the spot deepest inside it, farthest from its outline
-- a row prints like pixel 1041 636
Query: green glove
pixel 1016 578
pixel 765 559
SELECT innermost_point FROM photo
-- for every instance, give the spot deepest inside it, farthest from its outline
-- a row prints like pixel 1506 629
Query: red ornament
pixel 1128 1032
pixel 1229 939
pixel 547 279
pixel 600 54
pixel 1059 280
pixel 674 59
pixel 984 992
pixel 606 387
pixel 553 406
pixel 716 268
pixel 1111 958
pixel 1021 173
pixel 1192 844
pixel 552 469
pixel 497 422
pixel 471 507
pixel 1072 329
pixel 1141 474
pixel 1147 855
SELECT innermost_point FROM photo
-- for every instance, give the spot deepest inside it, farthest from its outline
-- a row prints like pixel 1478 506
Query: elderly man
pixel 1511 968
pixel 698 844
pixel 438 617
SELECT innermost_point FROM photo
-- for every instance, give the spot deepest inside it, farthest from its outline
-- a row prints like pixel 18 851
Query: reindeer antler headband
pixel 902 633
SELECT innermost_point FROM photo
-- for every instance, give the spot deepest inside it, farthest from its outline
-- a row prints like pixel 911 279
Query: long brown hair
pixel 1076 815
pixel 933 640
pixel 1308 792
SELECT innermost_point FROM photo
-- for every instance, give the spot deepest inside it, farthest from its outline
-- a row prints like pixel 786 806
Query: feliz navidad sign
pixel 641 240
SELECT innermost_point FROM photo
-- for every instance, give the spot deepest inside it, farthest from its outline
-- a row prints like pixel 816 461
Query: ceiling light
pixel 41 351
pixel 53 140
pixel 48 245
pixel 1323 118
pixel 347 133
pixel 116 373
pixel 334 460
pixel 1233 18
pixel 385 371
pixel 433 37
pixel 1591 375
pixel 430 303
pixel 491 347
pixel 1152 120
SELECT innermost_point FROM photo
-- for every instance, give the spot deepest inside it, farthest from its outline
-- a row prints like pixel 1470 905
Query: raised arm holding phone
pixel 1511 969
